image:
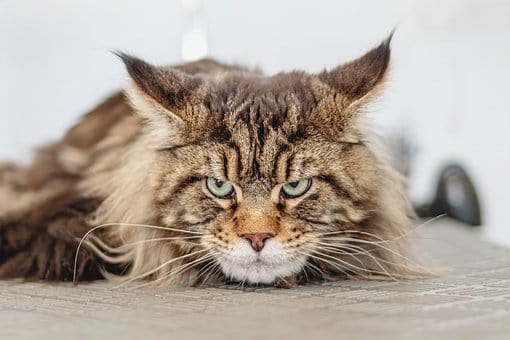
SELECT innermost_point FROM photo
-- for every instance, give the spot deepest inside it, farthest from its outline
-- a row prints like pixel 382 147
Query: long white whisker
pixel 208 268
pixel 107 258
pixel 158 268
pixel 324 260
pixel 415 229
pixel 342 252
pixel 184 266
pixel 242 283
pixel 360 250
pixel 377 244
pixel 121 225
pixel 127 245
pixel 385 273
pixel 176 270
pixel 305 273
pixel 103 245
pixel 213 271
pixel 338 250
pixel 314 267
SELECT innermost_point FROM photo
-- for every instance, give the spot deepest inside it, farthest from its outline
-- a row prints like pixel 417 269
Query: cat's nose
pixel 257 240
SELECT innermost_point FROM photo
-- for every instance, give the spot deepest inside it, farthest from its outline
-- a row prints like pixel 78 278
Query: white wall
pixel 55 61
pixel 448 87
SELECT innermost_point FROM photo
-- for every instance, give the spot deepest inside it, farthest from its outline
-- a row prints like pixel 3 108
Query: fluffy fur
pixel 140 167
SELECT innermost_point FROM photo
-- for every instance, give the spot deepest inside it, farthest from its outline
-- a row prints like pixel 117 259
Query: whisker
pixel 241 284
pixel 325 260
pixel 314 267
pixel 121 225
pixel 341 251
pixel 378 244
pixel 305 273
pixel 209 269
pixel 158 268
pixel 216 268
pixel 338 251
pixel 179 269
pixel 127 245
pixel 415 229
pixel 368 252
pixel 370 271
pixel 107 258
pixel 281 277
pixel 103 245
pixel 185 266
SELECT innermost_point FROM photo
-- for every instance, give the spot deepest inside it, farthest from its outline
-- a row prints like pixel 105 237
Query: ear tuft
pixel 170 88
pixel 358 78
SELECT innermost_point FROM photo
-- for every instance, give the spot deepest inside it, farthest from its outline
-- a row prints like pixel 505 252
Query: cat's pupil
pixel 219 183
pixel 294 184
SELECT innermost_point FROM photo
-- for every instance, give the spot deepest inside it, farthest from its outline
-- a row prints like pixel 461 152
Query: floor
pixel 471 301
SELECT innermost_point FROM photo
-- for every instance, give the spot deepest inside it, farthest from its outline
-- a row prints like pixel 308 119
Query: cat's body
pixel 241 176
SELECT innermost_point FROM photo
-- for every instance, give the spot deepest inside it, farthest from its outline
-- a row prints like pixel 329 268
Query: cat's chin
pixel 258 272
pixel 272 263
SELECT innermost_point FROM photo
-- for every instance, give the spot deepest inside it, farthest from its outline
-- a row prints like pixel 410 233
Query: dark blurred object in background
pixel 455 196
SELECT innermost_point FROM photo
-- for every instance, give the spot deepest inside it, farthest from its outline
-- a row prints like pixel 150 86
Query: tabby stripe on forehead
pixel 236 149
pixel 289 164
pixel 255 166
pixel 225 166
pixel 279 155
pixel 261 135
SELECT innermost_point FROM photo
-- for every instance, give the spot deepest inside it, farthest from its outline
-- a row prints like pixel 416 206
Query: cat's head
pixel 274 173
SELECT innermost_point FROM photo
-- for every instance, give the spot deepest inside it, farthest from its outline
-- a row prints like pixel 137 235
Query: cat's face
pixel 263 199
pixel 261 167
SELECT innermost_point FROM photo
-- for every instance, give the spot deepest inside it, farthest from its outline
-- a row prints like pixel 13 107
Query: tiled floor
pixel 472 301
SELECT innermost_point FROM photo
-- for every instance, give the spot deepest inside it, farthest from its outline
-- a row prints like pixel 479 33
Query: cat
pixel 206 172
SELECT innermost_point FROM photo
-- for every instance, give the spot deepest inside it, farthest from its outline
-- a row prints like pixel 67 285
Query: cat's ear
pixel 361 78
pixel 161 92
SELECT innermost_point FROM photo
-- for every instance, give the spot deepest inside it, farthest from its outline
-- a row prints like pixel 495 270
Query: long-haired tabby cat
pixel 203 172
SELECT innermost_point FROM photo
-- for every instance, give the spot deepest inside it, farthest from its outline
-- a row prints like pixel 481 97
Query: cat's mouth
pixel 273 262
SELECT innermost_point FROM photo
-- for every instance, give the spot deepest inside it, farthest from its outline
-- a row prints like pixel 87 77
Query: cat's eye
pixel 219 188
pixel 296 188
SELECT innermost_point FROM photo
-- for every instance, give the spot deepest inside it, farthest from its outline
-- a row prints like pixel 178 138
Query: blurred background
pixel 445 112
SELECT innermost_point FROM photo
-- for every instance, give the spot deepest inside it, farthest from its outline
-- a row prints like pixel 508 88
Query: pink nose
pixel 257 240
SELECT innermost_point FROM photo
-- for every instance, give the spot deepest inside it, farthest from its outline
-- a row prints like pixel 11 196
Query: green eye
pixel 297 188
pixel 219 188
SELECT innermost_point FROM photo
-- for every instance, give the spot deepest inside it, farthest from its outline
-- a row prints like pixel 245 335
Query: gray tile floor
pixel 471 301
